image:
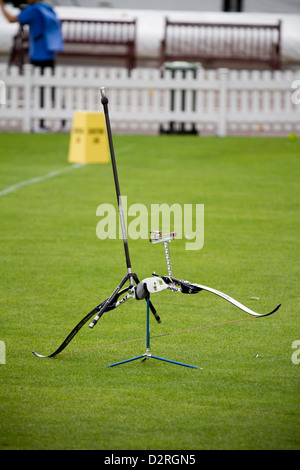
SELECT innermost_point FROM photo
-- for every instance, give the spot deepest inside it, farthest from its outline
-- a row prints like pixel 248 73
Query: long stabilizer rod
pixel 104 101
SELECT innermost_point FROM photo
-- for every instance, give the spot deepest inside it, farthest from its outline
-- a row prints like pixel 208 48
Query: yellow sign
pixel 88 142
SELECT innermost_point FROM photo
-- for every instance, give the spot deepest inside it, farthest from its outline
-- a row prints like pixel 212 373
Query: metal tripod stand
pixel 147 354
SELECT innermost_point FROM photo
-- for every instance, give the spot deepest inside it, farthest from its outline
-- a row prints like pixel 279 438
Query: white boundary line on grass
pixel 39 179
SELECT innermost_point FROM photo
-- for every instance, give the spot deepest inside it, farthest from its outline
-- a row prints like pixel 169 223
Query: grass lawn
pixel 54 270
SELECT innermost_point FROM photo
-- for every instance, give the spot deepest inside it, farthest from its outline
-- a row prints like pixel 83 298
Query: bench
pixel 247 44
pixel 100 38
pixel 87 38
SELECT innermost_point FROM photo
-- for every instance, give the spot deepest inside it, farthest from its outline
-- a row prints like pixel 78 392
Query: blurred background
pixel 122 38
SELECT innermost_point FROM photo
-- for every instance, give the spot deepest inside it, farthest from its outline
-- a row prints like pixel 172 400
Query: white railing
pixel 218 102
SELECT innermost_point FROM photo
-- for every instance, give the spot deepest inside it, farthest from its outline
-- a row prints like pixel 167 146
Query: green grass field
pixel 54 270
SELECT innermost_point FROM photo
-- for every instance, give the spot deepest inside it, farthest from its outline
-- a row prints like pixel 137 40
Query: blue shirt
pixel 37 43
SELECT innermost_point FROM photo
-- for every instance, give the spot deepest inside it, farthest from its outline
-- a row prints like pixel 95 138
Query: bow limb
pixel 70 336
pixel 235 302
pixel 187 287
pixel 85 319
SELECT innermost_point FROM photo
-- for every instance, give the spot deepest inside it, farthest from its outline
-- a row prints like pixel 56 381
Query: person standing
pixel 45 37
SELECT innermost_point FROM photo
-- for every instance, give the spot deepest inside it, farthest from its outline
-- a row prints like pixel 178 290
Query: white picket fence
pixel 216 102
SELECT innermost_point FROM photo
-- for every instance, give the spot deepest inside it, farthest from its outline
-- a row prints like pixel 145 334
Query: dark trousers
pixel 43 64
